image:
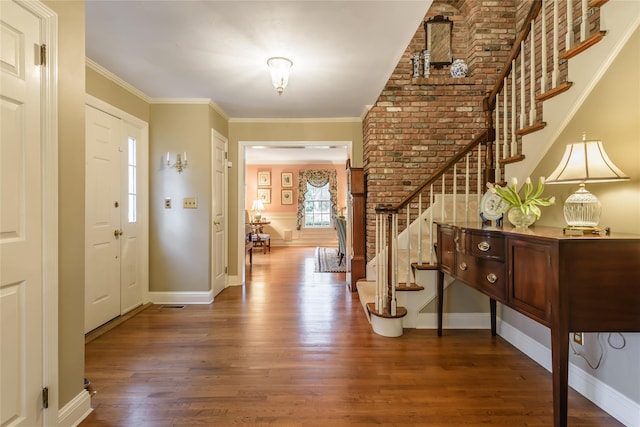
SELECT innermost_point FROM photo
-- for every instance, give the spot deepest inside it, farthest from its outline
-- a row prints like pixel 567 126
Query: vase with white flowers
pixel 523 211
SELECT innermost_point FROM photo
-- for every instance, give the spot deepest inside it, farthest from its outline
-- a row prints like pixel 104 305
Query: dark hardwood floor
pixel 293 347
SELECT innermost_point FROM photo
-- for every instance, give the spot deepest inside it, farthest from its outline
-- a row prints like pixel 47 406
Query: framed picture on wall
pixel 287 179
pixel 264 178
pixel 264 194
pixel 286 198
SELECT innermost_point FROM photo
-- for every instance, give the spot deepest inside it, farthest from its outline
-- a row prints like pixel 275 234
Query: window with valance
pixel 317 178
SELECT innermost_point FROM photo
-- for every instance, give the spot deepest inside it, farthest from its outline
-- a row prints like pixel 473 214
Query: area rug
pixel 327 261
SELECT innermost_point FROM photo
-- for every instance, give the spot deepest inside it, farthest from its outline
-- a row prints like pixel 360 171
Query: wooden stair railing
pixel 480 167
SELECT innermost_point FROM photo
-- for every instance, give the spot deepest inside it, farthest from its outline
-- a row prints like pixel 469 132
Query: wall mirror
pixel 438 32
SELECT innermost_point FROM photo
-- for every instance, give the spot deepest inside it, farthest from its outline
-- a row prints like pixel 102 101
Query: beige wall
pixel 178 237
pixel 114 94
pixel 71 99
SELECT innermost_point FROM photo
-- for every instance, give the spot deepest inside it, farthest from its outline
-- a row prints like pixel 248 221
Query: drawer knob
pixel 484 246
pixel 491 278
pixel 463 266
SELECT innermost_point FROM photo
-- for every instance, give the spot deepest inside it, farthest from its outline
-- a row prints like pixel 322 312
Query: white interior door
pixel 102 218
pixel 21 217
pixel 218 212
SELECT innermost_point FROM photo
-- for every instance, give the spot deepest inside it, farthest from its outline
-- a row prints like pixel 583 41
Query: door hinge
pixel 41 55
pixel 45 398
pixel 225 155
pixel 226 270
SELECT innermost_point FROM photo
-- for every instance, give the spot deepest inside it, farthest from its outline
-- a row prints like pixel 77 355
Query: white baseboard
pixel 234 281
pixel 204 297
pixel 76 410
pixel 607 398
pixel 454 321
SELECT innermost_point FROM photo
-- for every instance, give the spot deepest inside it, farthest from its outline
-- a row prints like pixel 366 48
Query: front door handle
pixel 117 233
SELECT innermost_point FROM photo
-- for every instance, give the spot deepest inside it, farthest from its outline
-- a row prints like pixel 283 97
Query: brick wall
pixel 417 123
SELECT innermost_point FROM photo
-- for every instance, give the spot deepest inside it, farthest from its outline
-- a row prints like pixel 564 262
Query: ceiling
pixel 343 52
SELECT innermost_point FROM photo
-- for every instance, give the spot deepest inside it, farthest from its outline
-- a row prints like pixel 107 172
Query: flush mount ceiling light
pixel 279 68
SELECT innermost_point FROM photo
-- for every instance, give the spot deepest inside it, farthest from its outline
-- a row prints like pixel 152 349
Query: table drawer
pixel 487 276
pixel 484 244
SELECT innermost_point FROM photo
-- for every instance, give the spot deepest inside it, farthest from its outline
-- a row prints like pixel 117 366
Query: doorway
pixel 116 219
pixel 280 154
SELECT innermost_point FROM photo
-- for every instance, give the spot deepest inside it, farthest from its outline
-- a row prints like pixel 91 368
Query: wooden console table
pixel 567 283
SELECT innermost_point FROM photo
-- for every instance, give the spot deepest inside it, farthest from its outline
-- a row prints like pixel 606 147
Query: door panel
pixel 130 254
pixel 218 213
pixel 102 252
pixel 21 216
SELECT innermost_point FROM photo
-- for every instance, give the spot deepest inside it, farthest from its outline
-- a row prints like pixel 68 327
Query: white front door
pixel 102 218
pixel 21 218
pixel 218 212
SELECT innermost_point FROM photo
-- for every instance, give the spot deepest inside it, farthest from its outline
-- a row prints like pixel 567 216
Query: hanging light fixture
pixel 584 162
pixel 279 68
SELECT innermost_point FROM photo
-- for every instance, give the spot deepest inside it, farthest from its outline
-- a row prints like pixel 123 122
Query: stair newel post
pixel 394 266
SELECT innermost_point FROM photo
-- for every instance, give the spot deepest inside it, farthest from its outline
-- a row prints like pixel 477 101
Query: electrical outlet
pixel 190 203
pixel 167 203
pixel 578 338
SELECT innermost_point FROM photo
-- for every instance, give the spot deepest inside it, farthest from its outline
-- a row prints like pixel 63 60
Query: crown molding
pixel 117 80
pixel 137 92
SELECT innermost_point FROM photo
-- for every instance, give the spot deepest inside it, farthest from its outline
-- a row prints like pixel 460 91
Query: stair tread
pixel 411 287
pixel 400 312
pixel 530 129
pixel 512 159
pixel 581 47
pixel 563 87
pixel 424 266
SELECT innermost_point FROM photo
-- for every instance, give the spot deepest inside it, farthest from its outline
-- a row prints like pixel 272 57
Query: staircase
pixel 525 113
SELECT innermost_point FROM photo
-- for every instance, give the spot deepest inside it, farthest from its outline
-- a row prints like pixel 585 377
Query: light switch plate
pixel 190 203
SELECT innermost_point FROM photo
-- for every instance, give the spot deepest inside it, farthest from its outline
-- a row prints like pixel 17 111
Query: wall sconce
pixel 180 163
pixel 584 162
pixel 279 69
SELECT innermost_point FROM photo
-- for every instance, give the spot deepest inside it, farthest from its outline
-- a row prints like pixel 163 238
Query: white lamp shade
pixel 585 162
pixel 279 68
pixel 257 205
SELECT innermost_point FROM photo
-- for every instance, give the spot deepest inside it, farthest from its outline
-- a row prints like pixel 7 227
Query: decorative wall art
pixel 264 194
pixel 287 179
pixel 286 197
pixel 264 178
